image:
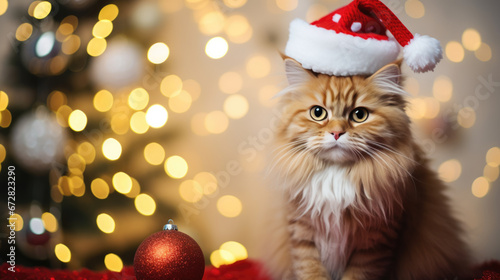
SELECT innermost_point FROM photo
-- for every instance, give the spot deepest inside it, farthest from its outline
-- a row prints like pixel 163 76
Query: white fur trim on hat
pixel 422 53
pixel 328 52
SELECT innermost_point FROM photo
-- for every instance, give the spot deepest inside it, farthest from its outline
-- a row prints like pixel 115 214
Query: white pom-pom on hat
pixel 422 53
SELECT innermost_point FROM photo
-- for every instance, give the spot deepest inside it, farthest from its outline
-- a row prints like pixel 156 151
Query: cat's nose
pixel 337 134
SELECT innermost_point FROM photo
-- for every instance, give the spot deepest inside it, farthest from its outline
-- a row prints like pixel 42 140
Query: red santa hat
pixel 352 40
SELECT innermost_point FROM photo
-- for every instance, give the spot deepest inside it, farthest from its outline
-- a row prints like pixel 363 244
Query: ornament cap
pixel 170 225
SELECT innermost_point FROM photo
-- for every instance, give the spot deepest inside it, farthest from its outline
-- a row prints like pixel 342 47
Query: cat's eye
pixel 318 113
pixel 359 114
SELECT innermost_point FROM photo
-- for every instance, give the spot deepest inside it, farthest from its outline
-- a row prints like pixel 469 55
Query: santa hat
pixel 352 40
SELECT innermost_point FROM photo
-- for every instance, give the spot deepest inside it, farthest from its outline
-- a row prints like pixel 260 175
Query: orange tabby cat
pixel 361 200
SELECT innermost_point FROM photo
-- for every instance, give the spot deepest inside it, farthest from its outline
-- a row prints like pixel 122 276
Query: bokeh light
pixel 207 181
pixel 56 99
pixel 236 249
pixel 221 257
pixel 138 123
pixel 234 3
pixel 432 107
pixel 3 153
pixel 216 47
pixel 96 46
pixel 99 188
pixel 171 85
pixel 111 149
pixel 64 30
pixel 158 53
pixel 138 99
pixel 176 167
pixel 63 184
pixel 87 152
pixel 238 29
pixel 136 189
pixel 71 44
pixel 108 12
pixel 145 204
pixel 154 153
pixel 414 8
pixel 216 122
pixel 77 186
pixel 236 106
pixel 4 100
pixel 45 44
pixel 258 66
pixel 491 172
pixel 191 191
pixel 77 120
pixel 119 123
pixel 442 88
pixel 156 116
pixel 76 164
pixel 450 170
pixel 466 117
pixel 493 157
pixel 287 5
pixel 454 51
pixel 480 187
pixel 181 102
pixel 36 226
pixel 62 115
pixel 483 53
pixel 105 223
pixel 113 262
pixel 103 101
pixel 5 118
pixel 102 28
pixel 18 219
pixel 4 4
pixel 471 39
pixel 63 253
pixel 230 82
pixel 229 206
pixel 49 222
pixel 24 31
pixel 42 9
pixel 122 182
pixel 211 23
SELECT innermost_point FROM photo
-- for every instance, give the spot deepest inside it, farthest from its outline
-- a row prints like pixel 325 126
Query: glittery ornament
pixel 169 254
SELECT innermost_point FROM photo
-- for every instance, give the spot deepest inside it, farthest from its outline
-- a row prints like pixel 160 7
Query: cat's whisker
pixel 385 147
pixel 283 150
pixel 297 157
pixel 286 152
pixel 398 170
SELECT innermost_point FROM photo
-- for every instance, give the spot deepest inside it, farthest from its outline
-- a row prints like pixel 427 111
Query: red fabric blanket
pixel 241 270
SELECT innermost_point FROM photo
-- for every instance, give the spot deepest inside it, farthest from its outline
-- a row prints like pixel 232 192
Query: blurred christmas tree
pixel 86 124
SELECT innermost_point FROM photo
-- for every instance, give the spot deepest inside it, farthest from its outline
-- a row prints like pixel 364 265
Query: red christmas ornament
pixel 169 254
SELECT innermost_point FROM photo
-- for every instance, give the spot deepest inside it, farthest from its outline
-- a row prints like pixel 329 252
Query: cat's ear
pixel 295 73
pixel 391 73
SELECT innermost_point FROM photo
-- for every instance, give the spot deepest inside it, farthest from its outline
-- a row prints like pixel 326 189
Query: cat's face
pixel 343 119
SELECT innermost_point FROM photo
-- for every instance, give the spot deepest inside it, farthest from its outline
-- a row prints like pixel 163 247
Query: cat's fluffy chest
pixel 328 194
